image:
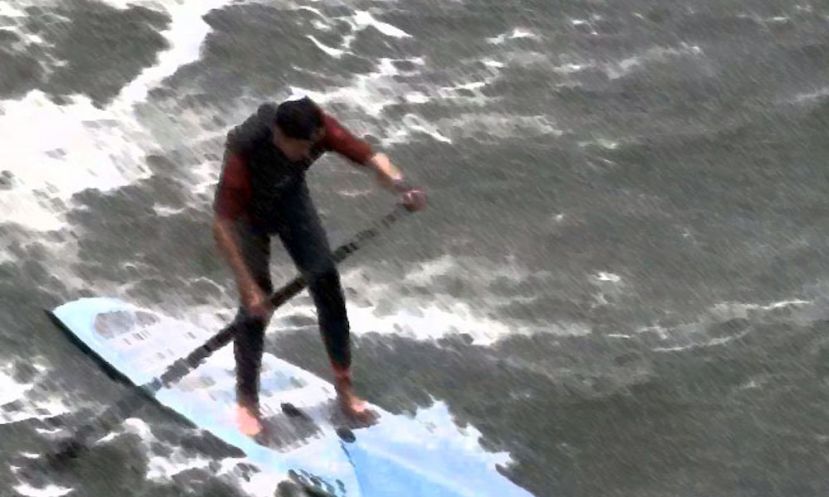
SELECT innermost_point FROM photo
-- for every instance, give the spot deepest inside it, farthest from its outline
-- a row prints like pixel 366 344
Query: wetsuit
pixel 264 194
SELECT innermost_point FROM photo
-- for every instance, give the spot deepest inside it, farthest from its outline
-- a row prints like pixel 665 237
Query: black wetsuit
pixel 265 194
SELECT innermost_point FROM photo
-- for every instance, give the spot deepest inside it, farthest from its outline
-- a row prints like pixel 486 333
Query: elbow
pixel 221 225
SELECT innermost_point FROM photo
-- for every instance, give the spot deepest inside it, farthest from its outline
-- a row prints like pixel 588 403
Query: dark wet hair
pixel 299 119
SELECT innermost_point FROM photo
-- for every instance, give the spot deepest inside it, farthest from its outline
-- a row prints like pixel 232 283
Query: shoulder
pixel 331 125
pixel 255 130
pixel 339 139
pixel 266 112
pixel 335 131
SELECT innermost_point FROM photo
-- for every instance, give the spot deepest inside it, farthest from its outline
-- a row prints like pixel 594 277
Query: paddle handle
pixel 115 413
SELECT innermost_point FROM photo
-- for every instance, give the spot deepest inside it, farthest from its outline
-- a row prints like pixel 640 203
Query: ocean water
pixel 622 281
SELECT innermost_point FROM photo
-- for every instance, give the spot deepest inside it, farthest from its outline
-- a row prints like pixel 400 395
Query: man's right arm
pixel 232 195
pixel 228 245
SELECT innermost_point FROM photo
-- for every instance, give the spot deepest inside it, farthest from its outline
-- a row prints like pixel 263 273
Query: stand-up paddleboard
pixel 306 437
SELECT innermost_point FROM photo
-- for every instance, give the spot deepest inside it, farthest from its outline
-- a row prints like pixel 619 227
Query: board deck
pixel 306 438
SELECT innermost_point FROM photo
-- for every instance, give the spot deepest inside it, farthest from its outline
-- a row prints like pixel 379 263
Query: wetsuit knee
pixel 323 271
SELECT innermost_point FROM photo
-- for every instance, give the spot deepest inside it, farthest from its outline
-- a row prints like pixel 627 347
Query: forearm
pixel 387 173
pixel 228 244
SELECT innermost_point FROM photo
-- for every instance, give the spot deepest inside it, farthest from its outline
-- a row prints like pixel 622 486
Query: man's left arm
pixel 360 152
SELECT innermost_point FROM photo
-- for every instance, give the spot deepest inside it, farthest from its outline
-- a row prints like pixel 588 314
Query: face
pixel 293 148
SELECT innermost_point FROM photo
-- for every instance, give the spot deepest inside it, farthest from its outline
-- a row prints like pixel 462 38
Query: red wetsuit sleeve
pixel 233 193
pixel 340 140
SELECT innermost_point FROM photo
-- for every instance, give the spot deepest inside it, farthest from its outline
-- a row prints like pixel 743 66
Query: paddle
pixel 115 413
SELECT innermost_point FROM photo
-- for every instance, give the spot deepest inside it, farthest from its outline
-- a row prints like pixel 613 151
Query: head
pixel 297 127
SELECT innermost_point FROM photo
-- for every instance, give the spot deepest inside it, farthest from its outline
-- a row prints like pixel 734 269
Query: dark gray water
pixel 622 280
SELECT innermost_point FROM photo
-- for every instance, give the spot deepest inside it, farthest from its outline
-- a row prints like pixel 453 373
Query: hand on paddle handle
pixel 412 198
pixel 257 303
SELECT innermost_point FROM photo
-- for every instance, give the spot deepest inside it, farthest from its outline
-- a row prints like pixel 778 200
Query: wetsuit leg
pixel 248 342
pixel 305 240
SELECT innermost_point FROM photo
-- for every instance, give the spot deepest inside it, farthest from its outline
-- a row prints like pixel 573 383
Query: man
pixel 262 192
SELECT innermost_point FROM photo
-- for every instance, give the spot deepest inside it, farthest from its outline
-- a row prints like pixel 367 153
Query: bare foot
pixel 354 407
pixel 248 421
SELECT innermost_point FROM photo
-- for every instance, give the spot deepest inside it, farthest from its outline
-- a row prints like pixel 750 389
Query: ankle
pixel 252 409
pixel 342 384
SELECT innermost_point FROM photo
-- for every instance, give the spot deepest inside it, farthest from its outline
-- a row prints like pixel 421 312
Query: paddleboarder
pixel 262 192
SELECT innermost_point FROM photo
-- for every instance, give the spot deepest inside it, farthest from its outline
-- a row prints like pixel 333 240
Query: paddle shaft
pixel 115 413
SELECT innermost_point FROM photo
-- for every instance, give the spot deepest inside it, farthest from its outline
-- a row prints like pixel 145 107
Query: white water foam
pixel 388 85
pixel 358 21
pixel 503 127
pixel 381 88
pixel 47 491
pixel 515 34
pixel 608 277
pixel 163 468
pixel 55 151
pixel 811 97
pixel 382 307
pixel 442 316
pixel 615 70
pixel 19 404
pixel 185 36
pixel 694 335
pixel 87 147
pixel 364 19
pixel 11 390
pixel 371 92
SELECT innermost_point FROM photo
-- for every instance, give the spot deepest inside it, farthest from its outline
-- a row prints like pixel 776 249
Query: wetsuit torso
pixel 257 176
pixel 264 193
